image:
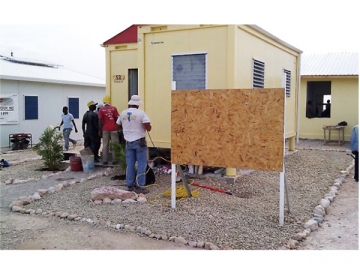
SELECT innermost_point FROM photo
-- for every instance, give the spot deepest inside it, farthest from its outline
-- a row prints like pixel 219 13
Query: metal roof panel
pixel 330 64
pixel 28 72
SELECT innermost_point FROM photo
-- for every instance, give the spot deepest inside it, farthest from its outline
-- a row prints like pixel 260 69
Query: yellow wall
pixel 158 48
pixel 276 57
pixel 229 49
pixel 344 107
pixel 120 58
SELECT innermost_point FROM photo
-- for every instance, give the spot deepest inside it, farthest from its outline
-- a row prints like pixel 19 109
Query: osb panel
pixel 232 128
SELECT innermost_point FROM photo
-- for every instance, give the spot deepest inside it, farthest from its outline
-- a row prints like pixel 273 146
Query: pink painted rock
pixel 112 193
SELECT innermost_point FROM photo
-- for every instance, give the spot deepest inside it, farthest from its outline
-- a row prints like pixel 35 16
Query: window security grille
pixel 288 80
pixel 189 71
pixel 258 74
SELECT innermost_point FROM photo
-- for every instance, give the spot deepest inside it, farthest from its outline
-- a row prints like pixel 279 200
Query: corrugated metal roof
pixel 26 72
pixel 330 64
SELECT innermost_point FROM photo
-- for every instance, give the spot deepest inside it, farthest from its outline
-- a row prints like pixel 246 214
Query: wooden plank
pixel 234 128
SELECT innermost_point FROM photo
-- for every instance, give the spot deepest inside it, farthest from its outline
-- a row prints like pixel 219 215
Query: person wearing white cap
pixel 98 107
pixel 134 123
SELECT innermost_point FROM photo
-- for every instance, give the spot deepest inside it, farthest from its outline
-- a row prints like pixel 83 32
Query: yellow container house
pixel 333 77
pixel 153 60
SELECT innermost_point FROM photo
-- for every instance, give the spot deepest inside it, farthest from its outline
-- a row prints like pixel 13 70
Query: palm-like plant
pixel 120 156
pixel 49 148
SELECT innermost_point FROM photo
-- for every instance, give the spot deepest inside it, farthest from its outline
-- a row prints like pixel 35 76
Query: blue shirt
pixel 354 139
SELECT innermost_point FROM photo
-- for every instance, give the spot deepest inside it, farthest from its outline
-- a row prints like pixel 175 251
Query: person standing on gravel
pixel 134 123
pixel 68 120
pixel 354 146
pixel 90 128
pixel 108 115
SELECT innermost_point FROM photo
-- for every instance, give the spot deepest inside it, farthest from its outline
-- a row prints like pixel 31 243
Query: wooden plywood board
pixel 233 128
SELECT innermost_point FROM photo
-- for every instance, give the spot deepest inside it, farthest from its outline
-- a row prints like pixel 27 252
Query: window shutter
pixel 288 82
pixel 31 107
pixel 74 107
pixel 258 74
pixel 189 71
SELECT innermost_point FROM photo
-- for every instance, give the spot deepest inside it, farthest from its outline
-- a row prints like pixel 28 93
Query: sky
pixel 69 33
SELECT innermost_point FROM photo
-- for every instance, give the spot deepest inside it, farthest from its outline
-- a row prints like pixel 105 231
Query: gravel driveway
pixel 248 219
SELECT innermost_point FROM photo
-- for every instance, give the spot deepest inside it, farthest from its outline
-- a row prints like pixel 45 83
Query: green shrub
pixel 120 156
pixel 49 148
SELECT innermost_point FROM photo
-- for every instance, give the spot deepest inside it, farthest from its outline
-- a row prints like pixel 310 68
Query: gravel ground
pixel 248 219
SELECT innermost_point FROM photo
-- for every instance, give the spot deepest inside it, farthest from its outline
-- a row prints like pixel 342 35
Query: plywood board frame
pixel 233 128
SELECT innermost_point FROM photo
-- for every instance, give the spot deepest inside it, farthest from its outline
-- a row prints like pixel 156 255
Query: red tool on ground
pixel 212 188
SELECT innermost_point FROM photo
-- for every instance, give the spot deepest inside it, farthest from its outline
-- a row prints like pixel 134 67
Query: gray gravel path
pixel 246 220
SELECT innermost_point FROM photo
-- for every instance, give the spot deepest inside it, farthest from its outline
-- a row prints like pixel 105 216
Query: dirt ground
pixel 340 229
pixel 54 234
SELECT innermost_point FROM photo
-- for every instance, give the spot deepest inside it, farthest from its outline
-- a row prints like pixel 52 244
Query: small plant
pixel 120 156
pixel 49 148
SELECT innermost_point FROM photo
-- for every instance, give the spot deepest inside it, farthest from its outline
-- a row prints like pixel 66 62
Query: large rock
pixel 299 236
pixel 319 210
pixel 180 240
pixel 325 203
pixel 112 193
pixel 312 225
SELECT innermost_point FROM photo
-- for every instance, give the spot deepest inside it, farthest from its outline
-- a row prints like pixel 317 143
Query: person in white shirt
pixel 134 124
pixel 68 120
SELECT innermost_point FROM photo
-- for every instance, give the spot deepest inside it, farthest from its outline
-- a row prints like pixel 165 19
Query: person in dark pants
pixel 354 146
pixel 90 127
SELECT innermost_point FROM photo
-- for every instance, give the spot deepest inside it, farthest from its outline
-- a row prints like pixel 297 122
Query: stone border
pixel 13 181
pixel 320 210
pixel 311 225
pixel 16 206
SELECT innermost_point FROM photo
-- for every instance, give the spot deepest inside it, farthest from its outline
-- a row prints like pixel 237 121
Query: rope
pixel 180 191
pixel 180 194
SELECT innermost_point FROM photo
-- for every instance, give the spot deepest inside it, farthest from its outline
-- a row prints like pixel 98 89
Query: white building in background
pixel 33 93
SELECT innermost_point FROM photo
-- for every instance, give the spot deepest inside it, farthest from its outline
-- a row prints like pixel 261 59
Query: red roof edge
pixel 129 35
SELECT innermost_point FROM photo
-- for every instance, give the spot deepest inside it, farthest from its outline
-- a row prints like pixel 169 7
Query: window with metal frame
pixel 288 82
pixel 189 71
pixel 258 73
pixel 74 107
pixel 31 107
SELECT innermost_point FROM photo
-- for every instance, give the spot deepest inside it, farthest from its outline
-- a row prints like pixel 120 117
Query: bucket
pixel 75 164
pixel 88 163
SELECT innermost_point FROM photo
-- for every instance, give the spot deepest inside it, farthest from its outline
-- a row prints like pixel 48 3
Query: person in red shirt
pixel 108 115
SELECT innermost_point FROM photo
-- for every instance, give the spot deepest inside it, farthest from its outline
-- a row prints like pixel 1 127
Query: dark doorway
pixel 133 82
pixel 319 93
